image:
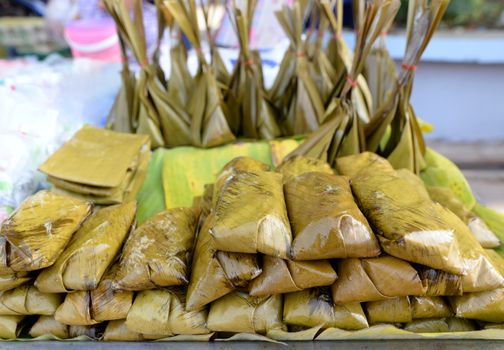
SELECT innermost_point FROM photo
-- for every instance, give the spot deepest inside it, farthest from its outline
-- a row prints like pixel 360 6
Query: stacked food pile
pixel 99 165
pixel 264 252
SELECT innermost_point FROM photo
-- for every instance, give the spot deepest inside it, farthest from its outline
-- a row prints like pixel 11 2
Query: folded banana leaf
pixel 84 308
pixel 48 325
pixel 208 123
pixel 10 326
pixel 81 266
pixel 27 300
pixel 118 331
pixel 250 215
pixel 429 307
pixel 208 280
pixel 283 276
pixel 438 283
pixel 326 223
pixel 80 159
pixel 126 191
pixel 408 225
pixel 37 232
pixel 483 306
pixel 13 280
pixel 158 252
pixel 396 310
pixel 294 93
pixel 241 313
pixel 433 325
pixel 405 146
pixel 296 166
pixel 380 278
pixel 314 307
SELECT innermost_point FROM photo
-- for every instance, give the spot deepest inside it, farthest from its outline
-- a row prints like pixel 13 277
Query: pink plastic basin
pixel 93 38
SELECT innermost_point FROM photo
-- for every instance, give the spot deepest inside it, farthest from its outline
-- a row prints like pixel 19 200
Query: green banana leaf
pixel 187 169
pixel 151 196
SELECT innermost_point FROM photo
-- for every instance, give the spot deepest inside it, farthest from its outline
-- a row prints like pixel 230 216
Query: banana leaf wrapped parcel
pixel 395 310
pixel 161 313
pixel 299 165
pixel 83 308
pixel 36 233
pixel 240 313
pixel 27 300
pixel 251 217
pixel 231 168
pixel 208 279
pixel 48 325
pixel 408 226
pixel 81 266
pixel 430 307
pixel 118 331
pixel 283 276
pixel 314 307
pixel 13 280
pixel 10 326
pixel 485 305
pixel 326 223
pixel 386 277
pixel 157 253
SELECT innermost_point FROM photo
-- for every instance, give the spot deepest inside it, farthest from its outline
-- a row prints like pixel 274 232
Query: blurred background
pixel 60 59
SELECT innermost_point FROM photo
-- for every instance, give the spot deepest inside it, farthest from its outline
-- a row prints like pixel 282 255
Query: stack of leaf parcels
pixel 101 166
pixel 265 252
